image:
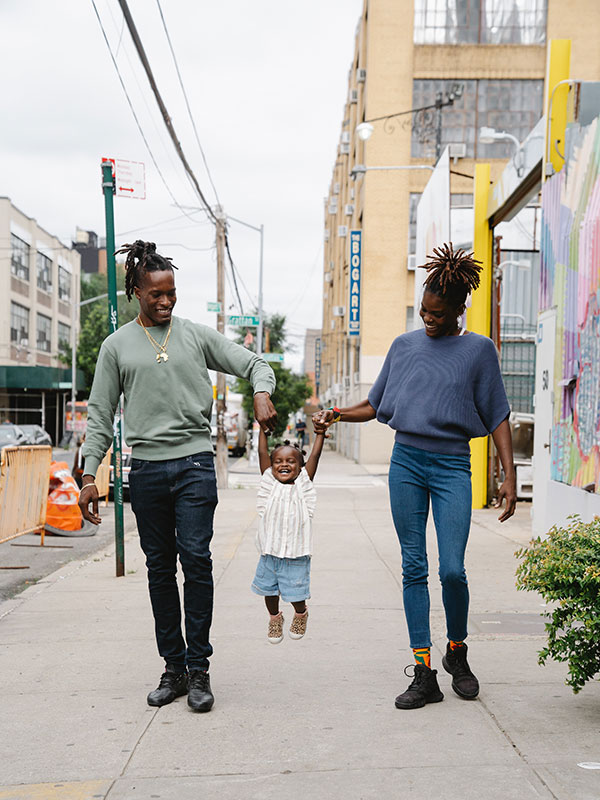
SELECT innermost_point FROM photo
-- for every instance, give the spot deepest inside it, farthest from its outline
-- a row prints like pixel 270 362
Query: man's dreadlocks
pixel 141 257
pixel 452 274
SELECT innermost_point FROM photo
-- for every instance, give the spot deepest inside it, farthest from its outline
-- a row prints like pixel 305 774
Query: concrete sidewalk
pixel 310 718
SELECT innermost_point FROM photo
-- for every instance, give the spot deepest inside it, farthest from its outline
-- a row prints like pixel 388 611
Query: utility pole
pixel 108 184
pixel 222 453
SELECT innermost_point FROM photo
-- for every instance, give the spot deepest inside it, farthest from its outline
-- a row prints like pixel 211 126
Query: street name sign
pixel 210 306
pixel 129 177
pixel 244 321
pixel 278 357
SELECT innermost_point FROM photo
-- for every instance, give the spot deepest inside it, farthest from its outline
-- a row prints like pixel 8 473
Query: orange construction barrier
pixel 63 510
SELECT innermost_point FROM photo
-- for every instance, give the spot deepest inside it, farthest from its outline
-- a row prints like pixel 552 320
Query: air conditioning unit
pixel 457 150
pixel 336 188
pixel 342 230
pixel 412 262
pixel 356 378
pixel 338 311
pixel 333 208
pixel 324 295
pixel 349 210
pixel 326 234
pixel 346 382
pixel 336 388
pixel 345 137
pixel 352 193
pixel 345 149
pixel 361 75
pixel 353 96
pixel 327 277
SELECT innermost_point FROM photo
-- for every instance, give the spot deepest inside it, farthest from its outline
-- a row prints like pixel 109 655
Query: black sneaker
pixel 464 683
pixel 172 684
pixel 423 689
pixel 200 697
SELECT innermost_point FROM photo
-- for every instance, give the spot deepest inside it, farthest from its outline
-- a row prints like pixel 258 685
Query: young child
pixel 285 503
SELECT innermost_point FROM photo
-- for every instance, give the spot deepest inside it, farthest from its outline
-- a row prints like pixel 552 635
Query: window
pixel 413 202
pixel 459 200
pixel 512 106
pixel 44 272
pixel 19 324
pixel 64 338
pixel 19 260
pixel 44 333
pixel 476 22
pixel 64 284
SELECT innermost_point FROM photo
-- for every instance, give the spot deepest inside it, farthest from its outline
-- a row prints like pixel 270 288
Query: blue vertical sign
pixel 317 365
pixel 355 275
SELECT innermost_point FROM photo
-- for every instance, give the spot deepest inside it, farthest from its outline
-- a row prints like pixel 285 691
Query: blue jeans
pixel 174 503
pixel 416 476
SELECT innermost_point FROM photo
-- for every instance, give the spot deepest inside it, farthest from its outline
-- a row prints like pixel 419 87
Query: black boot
pixel 464 683
pixel 200 697
pixel 423 689
pixel 172 684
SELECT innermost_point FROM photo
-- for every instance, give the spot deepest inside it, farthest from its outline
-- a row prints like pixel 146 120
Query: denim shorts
pixel 288 577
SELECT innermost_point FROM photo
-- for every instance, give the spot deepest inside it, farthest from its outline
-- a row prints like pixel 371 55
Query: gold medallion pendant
pixel 159 349
pixel 162 357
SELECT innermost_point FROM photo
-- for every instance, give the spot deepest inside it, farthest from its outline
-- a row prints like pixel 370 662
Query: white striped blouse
pixel 284 516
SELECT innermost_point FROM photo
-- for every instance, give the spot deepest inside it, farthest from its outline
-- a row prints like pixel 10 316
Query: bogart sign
pixel 355 275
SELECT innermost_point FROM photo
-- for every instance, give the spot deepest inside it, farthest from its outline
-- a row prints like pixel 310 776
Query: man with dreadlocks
pixel 160 364
pixel 439 387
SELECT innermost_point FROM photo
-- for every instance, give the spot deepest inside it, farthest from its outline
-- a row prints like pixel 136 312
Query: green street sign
pixel 214 307
pixel 245 321
pixel 278 357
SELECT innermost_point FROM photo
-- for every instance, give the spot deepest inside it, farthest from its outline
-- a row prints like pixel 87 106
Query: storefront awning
pixel 41 378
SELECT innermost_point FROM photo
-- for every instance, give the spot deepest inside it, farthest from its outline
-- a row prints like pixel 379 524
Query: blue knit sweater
pixel 437 393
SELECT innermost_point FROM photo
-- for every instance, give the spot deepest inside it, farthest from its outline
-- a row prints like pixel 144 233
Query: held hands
pixel 264 412
pixel 89 494
pixel 322 420
pixel 508 492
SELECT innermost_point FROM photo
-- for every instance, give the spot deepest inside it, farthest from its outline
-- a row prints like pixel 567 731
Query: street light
pixel 360 169
pixel 490 135
pixel 364 131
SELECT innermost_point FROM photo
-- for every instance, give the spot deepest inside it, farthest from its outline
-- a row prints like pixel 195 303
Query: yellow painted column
pixel 479 315
pixel 558 65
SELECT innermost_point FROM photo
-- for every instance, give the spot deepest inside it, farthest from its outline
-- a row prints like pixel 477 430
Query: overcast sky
pixel 266 81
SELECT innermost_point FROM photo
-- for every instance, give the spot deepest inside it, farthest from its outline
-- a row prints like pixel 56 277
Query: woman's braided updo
pixel 452 274
pixel 141 257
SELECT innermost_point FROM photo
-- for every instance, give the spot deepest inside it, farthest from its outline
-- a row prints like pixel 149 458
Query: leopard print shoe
pixel 298 626
pixel 275 632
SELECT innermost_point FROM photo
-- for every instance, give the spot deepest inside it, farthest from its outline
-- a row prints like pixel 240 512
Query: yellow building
pixel 408 55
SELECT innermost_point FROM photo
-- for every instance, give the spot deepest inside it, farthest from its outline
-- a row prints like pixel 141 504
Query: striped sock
pixel 456 645
pixel 422 656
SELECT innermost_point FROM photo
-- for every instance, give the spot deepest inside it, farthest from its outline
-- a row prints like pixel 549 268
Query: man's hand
pixel 508 492
pixel 89 494
pixel 264 411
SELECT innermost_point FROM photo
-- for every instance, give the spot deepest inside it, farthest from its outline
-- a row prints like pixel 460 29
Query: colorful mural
pixel 570 282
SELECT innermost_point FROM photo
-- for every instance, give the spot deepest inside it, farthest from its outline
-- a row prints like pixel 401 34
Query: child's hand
pixel 322 420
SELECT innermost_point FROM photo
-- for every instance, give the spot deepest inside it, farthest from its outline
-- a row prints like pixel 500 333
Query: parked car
pixel 11 435
pixel 36 434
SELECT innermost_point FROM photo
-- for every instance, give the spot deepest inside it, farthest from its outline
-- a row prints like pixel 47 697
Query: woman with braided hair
pixel 439 387
pixel 160 363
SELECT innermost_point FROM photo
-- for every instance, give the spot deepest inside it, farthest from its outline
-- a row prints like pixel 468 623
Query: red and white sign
pixel 130 178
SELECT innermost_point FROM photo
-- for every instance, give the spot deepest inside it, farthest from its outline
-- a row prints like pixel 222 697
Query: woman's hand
pixel 508 492
pixel 322 420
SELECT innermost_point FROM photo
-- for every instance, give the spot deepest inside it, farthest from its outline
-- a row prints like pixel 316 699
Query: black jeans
pixel 174 503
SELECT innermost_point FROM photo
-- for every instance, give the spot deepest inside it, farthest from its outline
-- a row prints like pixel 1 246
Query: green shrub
pixel 565 569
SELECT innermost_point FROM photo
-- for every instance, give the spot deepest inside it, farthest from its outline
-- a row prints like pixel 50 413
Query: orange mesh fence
pixel 24 481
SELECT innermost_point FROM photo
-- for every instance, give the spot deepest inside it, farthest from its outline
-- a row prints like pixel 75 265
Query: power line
pixel 233 271
pixel 163 109
pixel 137 122
pixel 187 102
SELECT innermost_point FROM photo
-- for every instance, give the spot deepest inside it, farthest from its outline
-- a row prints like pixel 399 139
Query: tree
pixel 292 390
pixel 290 395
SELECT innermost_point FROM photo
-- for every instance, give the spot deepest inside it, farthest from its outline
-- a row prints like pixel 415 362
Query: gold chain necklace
pixel 159 349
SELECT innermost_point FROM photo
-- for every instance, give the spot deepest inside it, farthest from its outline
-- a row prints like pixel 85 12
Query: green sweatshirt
pixel 168 404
